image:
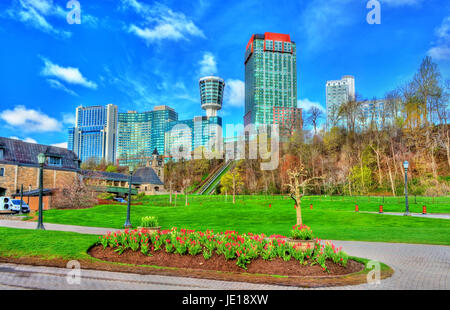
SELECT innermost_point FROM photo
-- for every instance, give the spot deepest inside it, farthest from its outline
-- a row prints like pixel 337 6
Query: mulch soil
pixel 218 263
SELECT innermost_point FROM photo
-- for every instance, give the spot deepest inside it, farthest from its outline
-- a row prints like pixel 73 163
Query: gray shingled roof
pixel 147 176
pixel 17 152
pixel 142 176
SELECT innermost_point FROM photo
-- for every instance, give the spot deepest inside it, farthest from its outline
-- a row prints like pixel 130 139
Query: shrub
pixel 73 194
pixel 301 232
pixel 105 196
pixel 149 221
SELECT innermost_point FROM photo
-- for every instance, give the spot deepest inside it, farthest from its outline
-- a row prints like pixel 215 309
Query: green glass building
pixel 139 134
pixel 270 77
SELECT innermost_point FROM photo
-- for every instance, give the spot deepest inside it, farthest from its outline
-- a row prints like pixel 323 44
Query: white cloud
pixel 441 48
pixel 69 119
pixel 318 16
pixel 307 104
pixel 28 139
pixel 36 14
pixel 234 93
pixel 61 145
pixel 29 120
pixel 208 64
pixel 68 74
pixel 161 23
pixel 58 85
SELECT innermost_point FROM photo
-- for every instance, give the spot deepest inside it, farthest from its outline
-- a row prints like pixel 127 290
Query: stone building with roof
pixel 19 166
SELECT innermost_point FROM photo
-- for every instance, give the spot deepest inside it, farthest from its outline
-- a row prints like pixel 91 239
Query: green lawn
pixel 328 219
pixel 44 244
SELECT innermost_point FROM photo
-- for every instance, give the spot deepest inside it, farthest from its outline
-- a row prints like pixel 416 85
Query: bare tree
pixel 73 194
pixel 315 114
pixel 297 186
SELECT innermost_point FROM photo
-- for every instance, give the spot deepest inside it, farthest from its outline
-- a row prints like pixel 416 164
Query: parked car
pixel 13 205
pixel 121 200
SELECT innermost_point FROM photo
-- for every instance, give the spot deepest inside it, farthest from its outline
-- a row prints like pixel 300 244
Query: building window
pixel 1 153
pixel 2 172
pixel 55 161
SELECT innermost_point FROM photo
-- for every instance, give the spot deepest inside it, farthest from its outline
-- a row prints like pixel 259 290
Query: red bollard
pixel 356 208
pixel 381 208
pixel 424 210
pixel 311 206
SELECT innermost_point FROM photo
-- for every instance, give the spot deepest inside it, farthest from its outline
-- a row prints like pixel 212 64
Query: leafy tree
pixel 232 181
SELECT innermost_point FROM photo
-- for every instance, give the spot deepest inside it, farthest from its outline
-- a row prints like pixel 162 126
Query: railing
pixel 214 178
pixel 207 179
pixel 114 189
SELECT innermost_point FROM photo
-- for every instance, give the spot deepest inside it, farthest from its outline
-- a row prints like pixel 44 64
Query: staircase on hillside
pixel 210 185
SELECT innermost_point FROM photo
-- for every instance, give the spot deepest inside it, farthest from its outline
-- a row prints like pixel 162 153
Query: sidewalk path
pixel 444 216
pixel 416 266
pixel 48 226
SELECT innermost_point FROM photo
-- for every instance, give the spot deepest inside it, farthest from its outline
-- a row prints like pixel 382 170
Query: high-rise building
pixel 95 133
pixel 378 112
pixel 161 116
pixel 288 119
pixel 185 136
pixel 141 133
pixel 270 77
pixel 337 93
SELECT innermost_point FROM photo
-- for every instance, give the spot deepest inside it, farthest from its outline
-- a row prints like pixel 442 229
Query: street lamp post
pixel 41 160
pixel 130 179
pixel 406 165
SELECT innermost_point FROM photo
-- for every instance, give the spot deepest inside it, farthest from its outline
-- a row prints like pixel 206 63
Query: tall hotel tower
pixel 141 133
pixel 270 79
pixel 95 133
pixel 337 93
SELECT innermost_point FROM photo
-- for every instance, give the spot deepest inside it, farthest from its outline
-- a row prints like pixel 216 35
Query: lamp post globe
pixel 130 180
pixel 41 161
pixel 406 166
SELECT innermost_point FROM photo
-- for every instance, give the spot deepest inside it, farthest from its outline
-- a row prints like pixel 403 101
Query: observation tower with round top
pixel 211 94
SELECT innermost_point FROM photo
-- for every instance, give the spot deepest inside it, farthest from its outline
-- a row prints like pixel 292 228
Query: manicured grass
pixel 44 244
pixel 328 219
pixel 390 204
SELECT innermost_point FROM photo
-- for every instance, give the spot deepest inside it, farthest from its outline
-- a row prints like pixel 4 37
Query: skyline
pixel 141 54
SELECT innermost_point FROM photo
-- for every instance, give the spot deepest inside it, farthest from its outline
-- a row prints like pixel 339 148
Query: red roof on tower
pixel 277 37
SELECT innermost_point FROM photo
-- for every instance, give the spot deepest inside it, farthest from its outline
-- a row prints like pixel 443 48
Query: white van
pixel 13 205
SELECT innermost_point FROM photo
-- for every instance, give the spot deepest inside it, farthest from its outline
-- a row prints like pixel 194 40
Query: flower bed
pixel 242 250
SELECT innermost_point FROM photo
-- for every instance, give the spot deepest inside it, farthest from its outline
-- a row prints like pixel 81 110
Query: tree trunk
pixel 298 209
pixel 186 202
pixel 390 177
pixel 377 152
pixel 234 189
pixel 433 163
pixel 170 197
pixel 448 148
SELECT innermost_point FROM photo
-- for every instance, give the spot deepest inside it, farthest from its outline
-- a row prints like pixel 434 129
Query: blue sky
pixel 140 53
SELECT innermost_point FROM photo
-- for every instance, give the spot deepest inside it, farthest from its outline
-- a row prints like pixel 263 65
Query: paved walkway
pixel 48 226
pixel 415 267
pixel 444 216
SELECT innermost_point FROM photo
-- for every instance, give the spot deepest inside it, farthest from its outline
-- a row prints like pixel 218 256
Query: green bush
pixel 138 196
pixel 149 221
pixel 106 196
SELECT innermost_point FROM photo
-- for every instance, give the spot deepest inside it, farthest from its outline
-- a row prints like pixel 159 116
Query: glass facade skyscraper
pixel 270 77
pixel 95 133
pixel 185 136
pixel 141 133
